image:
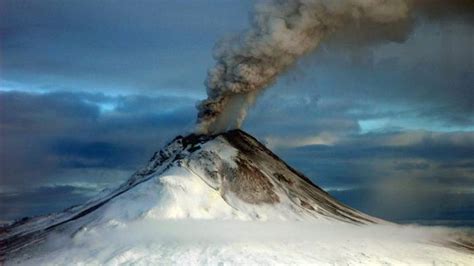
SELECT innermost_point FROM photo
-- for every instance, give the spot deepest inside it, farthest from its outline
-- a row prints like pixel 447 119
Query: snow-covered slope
pixel 200 199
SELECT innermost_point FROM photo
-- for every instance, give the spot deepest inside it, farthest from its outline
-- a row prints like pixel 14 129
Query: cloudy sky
pixel 90 89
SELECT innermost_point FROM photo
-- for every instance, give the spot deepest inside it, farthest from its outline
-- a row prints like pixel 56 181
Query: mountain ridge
pixel 200 197
pixel 240 180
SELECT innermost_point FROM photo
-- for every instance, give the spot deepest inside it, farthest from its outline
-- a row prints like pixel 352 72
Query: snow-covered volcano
pixel 199 189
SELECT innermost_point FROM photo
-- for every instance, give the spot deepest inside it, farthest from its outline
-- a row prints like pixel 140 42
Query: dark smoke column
pixel 281 32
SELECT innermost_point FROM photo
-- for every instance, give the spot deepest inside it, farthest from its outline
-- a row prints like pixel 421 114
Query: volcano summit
pixel 219 199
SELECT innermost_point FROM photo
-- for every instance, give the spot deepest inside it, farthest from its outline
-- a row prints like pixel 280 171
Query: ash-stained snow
pixel 223 199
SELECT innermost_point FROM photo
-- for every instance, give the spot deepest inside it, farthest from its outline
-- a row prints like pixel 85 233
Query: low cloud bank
pixel 213 242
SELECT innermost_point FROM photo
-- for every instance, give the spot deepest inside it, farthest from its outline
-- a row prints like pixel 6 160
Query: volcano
pixel 202 196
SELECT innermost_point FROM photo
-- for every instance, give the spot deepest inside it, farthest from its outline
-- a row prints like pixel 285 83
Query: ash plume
pixel 281 32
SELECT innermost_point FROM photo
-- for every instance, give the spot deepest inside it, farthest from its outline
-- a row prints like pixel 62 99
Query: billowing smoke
pixel 281 32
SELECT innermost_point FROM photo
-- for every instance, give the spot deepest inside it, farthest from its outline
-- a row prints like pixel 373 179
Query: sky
pixel 90 89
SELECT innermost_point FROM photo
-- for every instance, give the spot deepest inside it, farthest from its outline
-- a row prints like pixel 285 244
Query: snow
pixel 176 218
pixel 177 211
pixel 211 242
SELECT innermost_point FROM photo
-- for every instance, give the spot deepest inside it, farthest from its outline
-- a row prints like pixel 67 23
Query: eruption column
pixel 281 32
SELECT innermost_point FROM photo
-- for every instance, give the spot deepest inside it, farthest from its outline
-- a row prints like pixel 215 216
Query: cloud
pixel 41 200
pixel 411 176
pixel 412 204
pixel 358 160
pixel 429 75
pixel 409 166
pixel 347 116
pixel 138 46
pixel 92 141
pixel 45 134
pixel 440 9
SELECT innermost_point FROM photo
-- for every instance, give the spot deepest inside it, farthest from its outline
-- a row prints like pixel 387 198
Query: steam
pixel 282 31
